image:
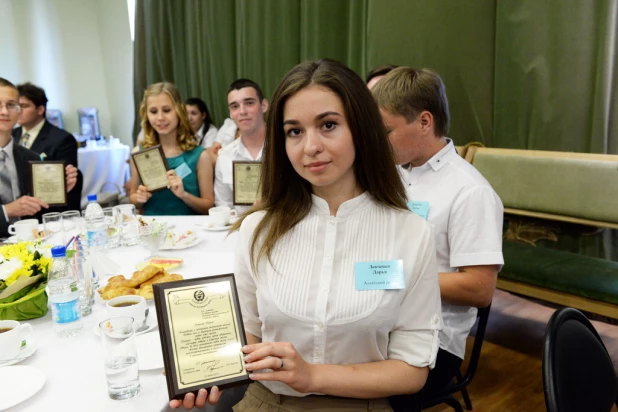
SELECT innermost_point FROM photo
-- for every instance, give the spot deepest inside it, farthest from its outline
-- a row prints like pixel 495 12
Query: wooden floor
pixel 509 377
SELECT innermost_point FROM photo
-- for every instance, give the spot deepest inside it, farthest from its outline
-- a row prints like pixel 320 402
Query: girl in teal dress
pixel 190 174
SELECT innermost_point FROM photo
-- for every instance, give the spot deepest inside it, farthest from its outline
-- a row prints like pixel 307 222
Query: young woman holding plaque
pixel 190 174
pixel 337 280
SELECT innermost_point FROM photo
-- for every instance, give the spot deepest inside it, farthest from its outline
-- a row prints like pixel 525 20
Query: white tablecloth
pixel 74 366
pixel 100 165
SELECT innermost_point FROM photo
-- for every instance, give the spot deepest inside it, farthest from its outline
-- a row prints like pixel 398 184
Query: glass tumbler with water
pixel 113 226
pixel 120 357
pixel 82 269
pixel 129 224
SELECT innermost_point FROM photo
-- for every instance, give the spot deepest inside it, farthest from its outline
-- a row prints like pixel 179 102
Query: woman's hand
pixel 143 194
pixel 175 183
pixel 190 401
pixel 286 363
pixel 71 177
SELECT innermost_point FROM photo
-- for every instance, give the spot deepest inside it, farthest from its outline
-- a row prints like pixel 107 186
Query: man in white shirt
pixel 247 106
pixel 452 195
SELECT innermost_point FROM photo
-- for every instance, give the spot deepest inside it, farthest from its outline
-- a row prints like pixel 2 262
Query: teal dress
pixel 165 202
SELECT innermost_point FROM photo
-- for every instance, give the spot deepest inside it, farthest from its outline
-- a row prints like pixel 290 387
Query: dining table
pixel 103 165
pixel 74 367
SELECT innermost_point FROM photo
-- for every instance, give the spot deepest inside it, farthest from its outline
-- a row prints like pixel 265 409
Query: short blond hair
pixel 185 136
pixel 407 92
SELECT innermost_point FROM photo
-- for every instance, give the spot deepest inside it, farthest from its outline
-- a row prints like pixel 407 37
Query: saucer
pixel 149 352
pixel 24 353
pixel 213 228
pixel 150 325
pixel 23 381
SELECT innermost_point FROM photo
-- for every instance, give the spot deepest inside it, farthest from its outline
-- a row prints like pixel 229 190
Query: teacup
pixel 221 215
pixel 12 333
pixel 24 229
pixel 131 305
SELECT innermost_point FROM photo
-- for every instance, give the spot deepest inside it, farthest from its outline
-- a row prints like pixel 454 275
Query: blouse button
pixel 329 257
pixel 321 326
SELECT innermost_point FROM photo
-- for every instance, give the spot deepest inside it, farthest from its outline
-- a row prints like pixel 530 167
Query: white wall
pixel 79 51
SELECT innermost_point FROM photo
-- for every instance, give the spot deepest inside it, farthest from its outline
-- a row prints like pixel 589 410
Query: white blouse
pixel 309 299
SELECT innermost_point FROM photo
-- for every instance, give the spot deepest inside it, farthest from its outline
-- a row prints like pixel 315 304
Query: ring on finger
pixel 280 366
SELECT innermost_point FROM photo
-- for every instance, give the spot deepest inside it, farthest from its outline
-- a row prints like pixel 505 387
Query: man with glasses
pixel 47 140
pixel 14 167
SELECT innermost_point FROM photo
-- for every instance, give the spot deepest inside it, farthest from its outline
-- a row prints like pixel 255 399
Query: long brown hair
pixel 285 196
pixel 184 134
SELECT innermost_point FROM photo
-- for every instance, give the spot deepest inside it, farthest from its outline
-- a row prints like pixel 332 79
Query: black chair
pixel 461 382
pixel 578 374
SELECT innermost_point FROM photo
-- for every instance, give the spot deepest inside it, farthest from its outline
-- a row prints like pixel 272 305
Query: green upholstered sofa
pixel 578 188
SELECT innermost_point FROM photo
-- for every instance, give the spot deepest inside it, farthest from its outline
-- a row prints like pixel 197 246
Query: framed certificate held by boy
pixel 202 333
pixel 152 168
pixel 246 182
pixel 48 182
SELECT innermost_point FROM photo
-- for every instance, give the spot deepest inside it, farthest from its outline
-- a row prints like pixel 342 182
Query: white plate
pixel 151 322
pixel 149 352
pixel 24 353
pixel 198 239
pixel 212 228
pixel 19 383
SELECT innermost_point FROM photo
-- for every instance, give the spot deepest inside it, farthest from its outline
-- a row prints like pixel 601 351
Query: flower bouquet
pixel 23 277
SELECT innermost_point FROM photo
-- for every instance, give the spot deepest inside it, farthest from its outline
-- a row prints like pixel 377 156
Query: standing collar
pixel 347 208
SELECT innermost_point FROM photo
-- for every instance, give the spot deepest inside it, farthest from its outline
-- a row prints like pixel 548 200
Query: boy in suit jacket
pixel 14 168
pixel 47 140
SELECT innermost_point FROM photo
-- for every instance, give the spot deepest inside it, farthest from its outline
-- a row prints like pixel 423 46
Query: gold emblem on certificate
pixel 48 182
pixel 246 182
pixel 152 168
pixel 201 332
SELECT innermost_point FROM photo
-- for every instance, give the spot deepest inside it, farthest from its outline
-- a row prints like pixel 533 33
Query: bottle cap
pixel 92 198
pixel 59 251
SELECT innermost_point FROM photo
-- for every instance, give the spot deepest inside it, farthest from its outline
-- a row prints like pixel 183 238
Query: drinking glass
pixel 129 224
pixel 152 236
pixel 113 226
pixel 82 270
pixel 53 228
pixel 120 357
pixel 73 225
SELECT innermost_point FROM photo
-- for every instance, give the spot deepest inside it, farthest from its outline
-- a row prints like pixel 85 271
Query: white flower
pixel 8 267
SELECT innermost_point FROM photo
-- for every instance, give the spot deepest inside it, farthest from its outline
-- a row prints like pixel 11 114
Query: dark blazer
pixel 58 144
pixel 22 157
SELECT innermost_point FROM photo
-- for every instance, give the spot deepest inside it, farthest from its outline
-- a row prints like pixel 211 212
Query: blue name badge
pixel 419 208
pixel 382 274
pixel 183 170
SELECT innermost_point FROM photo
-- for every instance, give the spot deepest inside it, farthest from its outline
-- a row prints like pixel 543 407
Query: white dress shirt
pixel 308 297
pixel 224 179
pixel 467 215
pixel 10 165
pixel 208 139
pixel 33 133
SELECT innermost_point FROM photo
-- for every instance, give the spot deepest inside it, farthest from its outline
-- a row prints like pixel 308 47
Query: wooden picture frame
pixel 48 182
pixel 245 182
pixel 205 312
pixel 152 171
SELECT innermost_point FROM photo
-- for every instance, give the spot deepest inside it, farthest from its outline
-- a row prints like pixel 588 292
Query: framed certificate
pixel 246 182
pixel 201 332
pixel 152 168
pixel 48 182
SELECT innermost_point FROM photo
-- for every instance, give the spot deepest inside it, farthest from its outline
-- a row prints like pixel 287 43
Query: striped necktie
pixel 25 140
pixel 6 188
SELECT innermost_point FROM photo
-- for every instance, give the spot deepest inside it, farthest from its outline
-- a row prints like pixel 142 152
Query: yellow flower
pixel 19 260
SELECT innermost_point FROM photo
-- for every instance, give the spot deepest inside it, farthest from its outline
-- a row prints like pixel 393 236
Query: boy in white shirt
pixel 452 195
pixel 247 106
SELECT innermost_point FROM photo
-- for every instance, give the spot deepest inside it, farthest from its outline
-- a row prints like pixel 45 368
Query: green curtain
pixel 519 74
pixel 556 75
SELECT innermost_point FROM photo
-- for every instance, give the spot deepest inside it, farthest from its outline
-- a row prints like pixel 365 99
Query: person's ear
pixel 264 105
pixel 426 121
pixel 40 110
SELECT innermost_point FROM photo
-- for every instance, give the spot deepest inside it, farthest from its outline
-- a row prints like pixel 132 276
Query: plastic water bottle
pixel 96 228
pixel 64 295
pixel 96 232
